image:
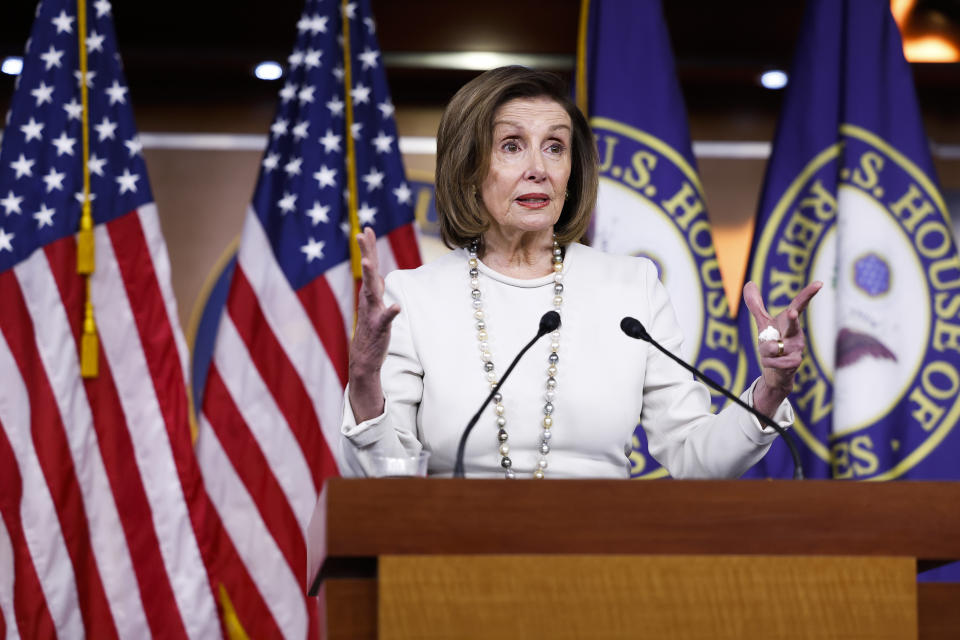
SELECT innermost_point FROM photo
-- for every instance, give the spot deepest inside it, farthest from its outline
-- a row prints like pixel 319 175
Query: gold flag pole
pixel 351 150
pixel 581 76
pixel 89 346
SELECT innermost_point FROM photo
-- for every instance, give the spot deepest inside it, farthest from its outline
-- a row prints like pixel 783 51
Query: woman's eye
pixel 510 146
pixel 555 148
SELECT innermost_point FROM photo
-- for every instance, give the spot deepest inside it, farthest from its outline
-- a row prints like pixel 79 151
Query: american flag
pixel 101 498
pixel 270 416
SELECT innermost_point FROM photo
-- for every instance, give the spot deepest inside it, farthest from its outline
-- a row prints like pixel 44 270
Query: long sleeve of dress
pixel 394 432
pixel 682 437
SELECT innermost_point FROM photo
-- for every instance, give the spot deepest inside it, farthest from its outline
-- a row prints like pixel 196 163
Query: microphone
pixel 549 322
pixel 635 329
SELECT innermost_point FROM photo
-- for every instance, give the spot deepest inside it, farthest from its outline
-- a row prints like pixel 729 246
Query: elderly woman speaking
pixel 516 184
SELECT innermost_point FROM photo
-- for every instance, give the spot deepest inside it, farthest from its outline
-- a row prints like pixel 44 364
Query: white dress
pixel 433 378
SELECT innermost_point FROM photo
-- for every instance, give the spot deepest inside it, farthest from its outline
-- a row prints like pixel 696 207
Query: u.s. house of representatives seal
pixel 879 387
pixel 651 204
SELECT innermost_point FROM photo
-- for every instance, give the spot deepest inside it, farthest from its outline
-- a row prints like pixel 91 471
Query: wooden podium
pixel 425 558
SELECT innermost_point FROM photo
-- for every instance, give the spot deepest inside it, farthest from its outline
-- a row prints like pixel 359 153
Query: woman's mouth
pixel 533 200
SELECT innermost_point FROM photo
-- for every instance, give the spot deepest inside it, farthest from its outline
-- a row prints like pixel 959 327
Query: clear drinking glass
pixel 400 465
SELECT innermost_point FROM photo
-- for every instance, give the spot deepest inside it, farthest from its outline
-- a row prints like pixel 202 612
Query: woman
pixel 516 184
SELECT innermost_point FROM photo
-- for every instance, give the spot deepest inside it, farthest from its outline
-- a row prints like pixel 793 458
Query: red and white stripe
pixel 102 537
pixel 271 416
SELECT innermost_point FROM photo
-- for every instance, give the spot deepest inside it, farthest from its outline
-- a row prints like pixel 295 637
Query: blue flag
pixel 651 201
pixel 851 199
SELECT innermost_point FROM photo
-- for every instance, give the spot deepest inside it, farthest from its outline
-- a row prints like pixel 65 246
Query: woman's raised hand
pixel 372 336
pixel 780 356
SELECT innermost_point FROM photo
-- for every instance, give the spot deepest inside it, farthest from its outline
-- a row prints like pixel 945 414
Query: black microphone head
pixel 634 328
pixel 549 322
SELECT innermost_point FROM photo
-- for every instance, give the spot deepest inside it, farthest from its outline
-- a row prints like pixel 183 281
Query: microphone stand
pixel 635 329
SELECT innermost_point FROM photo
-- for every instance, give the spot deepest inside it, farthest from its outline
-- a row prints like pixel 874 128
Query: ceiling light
pixel 774 79
pixel 268 70
pixel 12 65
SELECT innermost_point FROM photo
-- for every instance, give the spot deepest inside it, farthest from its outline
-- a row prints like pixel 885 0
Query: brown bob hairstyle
pixel 465 140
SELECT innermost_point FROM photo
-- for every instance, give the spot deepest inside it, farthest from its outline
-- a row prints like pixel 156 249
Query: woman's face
pixel 525 185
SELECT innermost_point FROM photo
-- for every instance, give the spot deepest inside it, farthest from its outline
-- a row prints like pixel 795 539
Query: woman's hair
pixel 465 139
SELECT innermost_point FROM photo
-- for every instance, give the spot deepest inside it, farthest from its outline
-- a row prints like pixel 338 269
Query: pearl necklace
pixel 489 370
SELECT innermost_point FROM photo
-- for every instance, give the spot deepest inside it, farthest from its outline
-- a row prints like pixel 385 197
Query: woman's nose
pixel 535 170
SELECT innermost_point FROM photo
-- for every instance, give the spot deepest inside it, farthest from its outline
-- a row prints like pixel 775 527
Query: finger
pixel 792 318
pixel 751 297
pixel 803 298
pixel 390 313
pixel 367 241
pixel 369 259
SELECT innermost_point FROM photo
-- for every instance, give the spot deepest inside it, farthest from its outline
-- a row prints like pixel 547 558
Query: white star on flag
pixel 64 144
pixel 103 7
pixel 386 108
pixel 43 94
pixel 312 59
pixel 32 130
pixel 5 239
pixel 295 59
pixel 94 42
pixel 371 25
pixel 403 193
pixel 383 142
pixel 74 109
pixel 279 127
pixel 11 203
pixel 90 75
pixel 330 142
pixel 306 94
pixel 288 202
pixel 270 162
pixel 127 182
pixel 355 130
pixel 105 129
pixel 293 167
pixel 288 92
pixel 300 131
pixel 63 22
pixel 360 94
pixel 23 167
pixel 313 249
pixel 95 164
pixel 318 213
pixel 366 214
pixel 338 72
pixel 133 145
pixel 54 180
pixel 318 24
pixel 51 58
pixel 374 179
pixel 78 196
pixel 369 58
pixel 117 93
pixel 351 10
pixel 326 177
pixel 336 107
pixel 44 217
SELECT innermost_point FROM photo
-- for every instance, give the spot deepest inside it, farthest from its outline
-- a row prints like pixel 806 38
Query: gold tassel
pixel 89 344
pixel 235 630
pixel 85 248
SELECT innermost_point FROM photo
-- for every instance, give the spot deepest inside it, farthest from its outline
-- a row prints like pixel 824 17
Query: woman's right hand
pixel 368 349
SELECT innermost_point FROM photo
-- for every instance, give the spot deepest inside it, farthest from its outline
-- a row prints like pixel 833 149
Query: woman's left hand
pixel 781 357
